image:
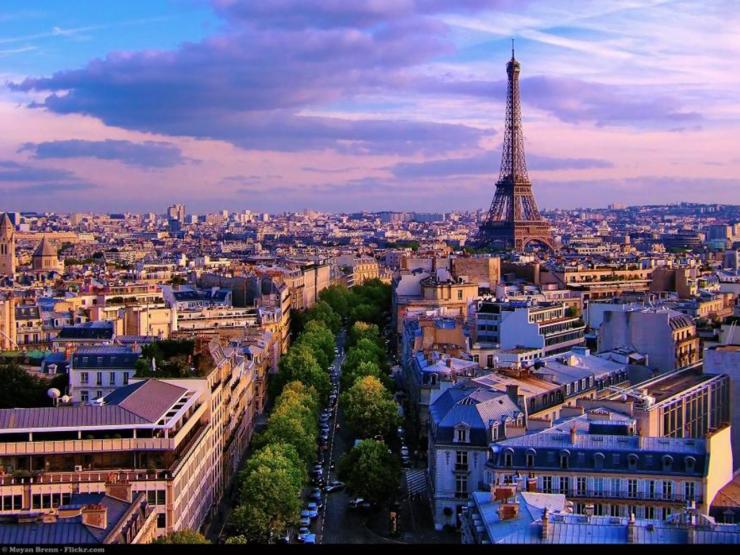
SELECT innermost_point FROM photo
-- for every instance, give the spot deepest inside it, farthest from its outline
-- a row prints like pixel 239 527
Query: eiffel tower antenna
pixel 513 220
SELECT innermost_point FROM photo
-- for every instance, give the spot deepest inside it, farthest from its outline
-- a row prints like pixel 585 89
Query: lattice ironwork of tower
pixel 513 220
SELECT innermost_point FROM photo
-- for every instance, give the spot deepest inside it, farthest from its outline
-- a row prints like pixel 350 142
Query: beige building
pixel 178 441
pixel 7 323
pixel 7 247
pixel 45 258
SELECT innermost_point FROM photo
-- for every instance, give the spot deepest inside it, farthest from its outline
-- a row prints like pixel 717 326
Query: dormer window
pixel 462 434
pixel 564 459
pixel 632 461
pixel 667 463
pixel 599 460
pixel 530 457
pixel 508 458
pixel 690 464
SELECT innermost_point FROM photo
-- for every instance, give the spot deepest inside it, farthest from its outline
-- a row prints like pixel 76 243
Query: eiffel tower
pixel 513 221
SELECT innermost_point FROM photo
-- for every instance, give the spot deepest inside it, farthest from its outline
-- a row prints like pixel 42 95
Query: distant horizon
pixel 380 211
pixel 282 105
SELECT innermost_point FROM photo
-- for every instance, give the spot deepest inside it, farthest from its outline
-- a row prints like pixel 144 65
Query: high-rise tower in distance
pixel 513 221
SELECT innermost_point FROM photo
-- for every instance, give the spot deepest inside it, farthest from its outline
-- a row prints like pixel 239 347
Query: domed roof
pixel 45 249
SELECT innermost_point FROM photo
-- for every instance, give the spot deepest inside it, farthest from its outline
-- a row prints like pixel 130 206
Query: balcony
pixel 634 496
pixel 85 446
pixel 86 476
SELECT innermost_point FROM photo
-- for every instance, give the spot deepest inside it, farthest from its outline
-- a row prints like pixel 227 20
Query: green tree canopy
pixel 371 471
pixel 270 499
pixel 286 427
pixel 21 389
pixel 182 537
pixel 363 330
pixel 363 369
pixel 369 408
pixel 301 364
pixel 320 339
pixel 324 313
pixel 338 298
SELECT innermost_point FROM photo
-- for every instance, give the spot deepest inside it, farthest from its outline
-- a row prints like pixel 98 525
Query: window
pixel 462 435
pixel 632 488
pixel 125 378
pixel 690 463
pixel 461 486
pixel 508 458
pixel 616 486
pixel 112 378
pixel 84 377
pixel 614 510
pixel 581 485
pixel 689 490
pixel 530 459
pixel 161 520
pixel 667 489
pixel 461 460
pixel 459 294
pixel 599 486
pixel 632 461
pixel 98 394
pixel 99 379
pixel 666 513
pixel 649 512
pixel 651 489
pixel 565 485
pixel 84 396
pixel 599 509
pixel 564 459
pixel 547 484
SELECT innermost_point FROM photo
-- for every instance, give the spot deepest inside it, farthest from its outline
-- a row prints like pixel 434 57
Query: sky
pixel 283 105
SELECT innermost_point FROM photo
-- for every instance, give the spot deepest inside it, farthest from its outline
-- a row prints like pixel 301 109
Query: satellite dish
pixel 66 399
pixel 54 393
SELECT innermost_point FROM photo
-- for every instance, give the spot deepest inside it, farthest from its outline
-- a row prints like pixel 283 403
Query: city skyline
pixel 381 106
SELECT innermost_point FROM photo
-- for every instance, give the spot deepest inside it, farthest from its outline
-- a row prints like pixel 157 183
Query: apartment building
pixel 604 463
pixel 94 372
pixel 552 327
pixel 667 337
pixel 176 440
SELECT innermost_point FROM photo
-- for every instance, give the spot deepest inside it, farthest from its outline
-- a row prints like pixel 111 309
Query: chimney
pixel 531 484
pixel 119 490
pixel 95 516
pixel 573 435
pixel 631 529
pixel 512 390
pixel 546 532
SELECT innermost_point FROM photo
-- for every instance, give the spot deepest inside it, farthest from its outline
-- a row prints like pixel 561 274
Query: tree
pixel 323 312
pixel 363 330
pixel 236 540
pixel 284 427
pixel 337 297
pixel 21 389
pixel 370 471
pixel 270 495
pixel 369 408
pixel 319 338
pixel 301 364
pixel 182 537
pixel 363 369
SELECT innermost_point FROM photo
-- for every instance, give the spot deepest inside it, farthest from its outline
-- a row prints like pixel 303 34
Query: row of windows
pixel 112 378
pixel 629 488
pixel 11 502
pixel 49 500
pixel 599 459
pixel 640 511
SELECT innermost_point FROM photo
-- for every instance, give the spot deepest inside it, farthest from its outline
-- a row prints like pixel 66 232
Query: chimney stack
pixel 546 525
pixel 512 390
pixel 573 435
pixel 120 490
pixel 95 516
pixel 631 529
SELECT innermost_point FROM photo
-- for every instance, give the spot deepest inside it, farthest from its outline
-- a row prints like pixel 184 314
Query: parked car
pixel 309 538
pixel 313 510
pixel 305 518
pixel 359 503
pixel 315 494
pixel 400 431
pixel 334 486
pixel 404 451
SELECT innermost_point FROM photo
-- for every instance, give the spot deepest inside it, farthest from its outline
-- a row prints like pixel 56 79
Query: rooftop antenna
pixel 512 49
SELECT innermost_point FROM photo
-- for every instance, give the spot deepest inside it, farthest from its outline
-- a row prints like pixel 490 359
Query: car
pixel 315 494
pixel 304 530
pixel 309 538
pixel 404 451
pixel 313 510
pixel 359 503
pixel 305 520
pixel 400 431
pixel 325 436
pixel 334 486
